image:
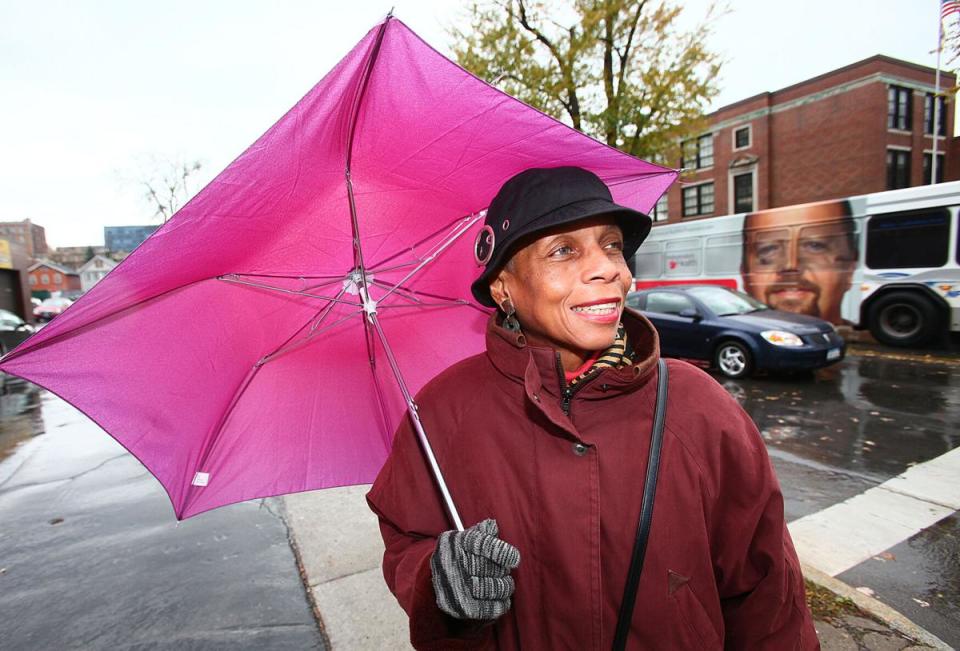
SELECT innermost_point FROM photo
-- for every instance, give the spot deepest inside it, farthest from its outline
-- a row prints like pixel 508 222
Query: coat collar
pixel 536 367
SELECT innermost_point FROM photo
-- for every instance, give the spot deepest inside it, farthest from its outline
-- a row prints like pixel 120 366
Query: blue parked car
pixel 735 332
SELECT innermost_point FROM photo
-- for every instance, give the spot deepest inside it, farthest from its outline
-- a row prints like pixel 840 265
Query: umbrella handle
pixel 434 466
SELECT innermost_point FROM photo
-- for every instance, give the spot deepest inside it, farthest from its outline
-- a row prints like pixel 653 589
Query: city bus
pixel 888 262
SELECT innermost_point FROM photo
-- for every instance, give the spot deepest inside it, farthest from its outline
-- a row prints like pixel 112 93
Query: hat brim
pixel 634 224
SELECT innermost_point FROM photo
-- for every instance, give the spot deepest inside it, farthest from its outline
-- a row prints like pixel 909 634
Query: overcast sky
pixel 93 91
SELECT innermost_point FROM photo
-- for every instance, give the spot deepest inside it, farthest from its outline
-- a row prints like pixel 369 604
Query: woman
pixel 543 441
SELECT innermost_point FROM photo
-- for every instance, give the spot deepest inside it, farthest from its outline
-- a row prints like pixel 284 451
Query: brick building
pixel 866 127
pixel 46 277
pixel 74 257
pixel 25 234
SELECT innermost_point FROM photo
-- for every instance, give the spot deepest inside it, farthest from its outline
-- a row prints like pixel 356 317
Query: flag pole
pixel 936 103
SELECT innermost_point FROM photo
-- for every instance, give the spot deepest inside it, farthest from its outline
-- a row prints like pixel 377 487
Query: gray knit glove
pixel 471 572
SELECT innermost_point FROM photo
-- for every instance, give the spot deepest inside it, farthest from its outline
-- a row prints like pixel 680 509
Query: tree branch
pixel 573 103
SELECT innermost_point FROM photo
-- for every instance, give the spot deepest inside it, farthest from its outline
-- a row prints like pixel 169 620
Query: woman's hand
pixel 471 572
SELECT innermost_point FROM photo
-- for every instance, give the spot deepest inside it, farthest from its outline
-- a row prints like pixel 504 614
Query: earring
pixel 510 316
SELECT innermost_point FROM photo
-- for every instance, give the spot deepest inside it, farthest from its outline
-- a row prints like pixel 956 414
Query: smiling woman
pixel 545 440
pixel 568 286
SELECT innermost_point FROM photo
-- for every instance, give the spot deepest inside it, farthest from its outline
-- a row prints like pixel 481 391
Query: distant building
pixel 31 237
pixel 866 127
pixel 75 256
pixel 46 277
pixel 126 238
pixel 94 270
pixel 14 287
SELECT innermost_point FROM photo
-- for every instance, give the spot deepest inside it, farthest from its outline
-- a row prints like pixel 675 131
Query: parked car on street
pixel 735 332
pixel 51 307
pixel 13 330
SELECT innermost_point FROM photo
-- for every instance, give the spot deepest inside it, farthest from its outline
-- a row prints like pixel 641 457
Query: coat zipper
pixel 568 392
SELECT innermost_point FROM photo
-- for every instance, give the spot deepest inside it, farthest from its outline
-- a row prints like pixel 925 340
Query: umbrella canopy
pixel 239 352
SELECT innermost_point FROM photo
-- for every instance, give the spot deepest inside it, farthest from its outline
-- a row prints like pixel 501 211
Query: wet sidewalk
pixel 91 556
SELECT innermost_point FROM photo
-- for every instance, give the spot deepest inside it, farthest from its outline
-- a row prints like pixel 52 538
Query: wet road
pixel 91 556
pixel 850 428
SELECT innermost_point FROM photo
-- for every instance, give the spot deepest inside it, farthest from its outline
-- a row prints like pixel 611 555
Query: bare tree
pixel 167 186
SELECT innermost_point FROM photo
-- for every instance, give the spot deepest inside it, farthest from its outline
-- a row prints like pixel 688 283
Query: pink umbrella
pixel 253 345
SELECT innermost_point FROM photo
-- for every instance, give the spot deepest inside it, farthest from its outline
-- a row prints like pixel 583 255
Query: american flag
pixel 948 7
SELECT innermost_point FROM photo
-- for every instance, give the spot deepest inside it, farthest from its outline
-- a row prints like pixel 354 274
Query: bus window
pixel 649 260
pixel 908 240
pixel 723 254
pixel 683 258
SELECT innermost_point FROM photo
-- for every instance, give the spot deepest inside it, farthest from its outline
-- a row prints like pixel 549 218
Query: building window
pixel 927 163
pixel 45 279
pixel 741 138
pixel 697 152
pixel 698 200
pixel 743 192
pixel 660 210
pixel 898 169
pixel 898 108
pixel 928 115
pixel 57 278
pixel 33 280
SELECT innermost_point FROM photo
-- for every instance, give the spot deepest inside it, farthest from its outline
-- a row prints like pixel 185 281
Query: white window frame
pixel 909 116
pixel 686 186
pixel 665 215
pixel 940 154
pixel 731 199
pixel 733 136
pixel 909 151
pixel 697 167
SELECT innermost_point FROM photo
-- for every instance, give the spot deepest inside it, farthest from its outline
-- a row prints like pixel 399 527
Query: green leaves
pixel 622 71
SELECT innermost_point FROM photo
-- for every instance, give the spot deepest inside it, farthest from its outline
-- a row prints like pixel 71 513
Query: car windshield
pixel 727 302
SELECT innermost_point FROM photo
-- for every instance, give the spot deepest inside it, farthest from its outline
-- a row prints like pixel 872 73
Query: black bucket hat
pixel 540 198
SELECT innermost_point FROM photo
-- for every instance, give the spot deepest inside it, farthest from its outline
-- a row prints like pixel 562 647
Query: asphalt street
pixel 850 428
pixel 91 556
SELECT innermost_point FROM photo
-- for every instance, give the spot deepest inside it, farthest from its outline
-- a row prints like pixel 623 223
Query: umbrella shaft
pixel 415 417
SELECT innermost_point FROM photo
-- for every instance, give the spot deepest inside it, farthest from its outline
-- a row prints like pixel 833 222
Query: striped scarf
pixel 619 355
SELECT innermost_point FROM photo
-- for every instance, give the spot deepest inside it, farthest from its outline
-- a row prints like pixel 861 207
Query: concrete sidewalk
pixel 337 543
pixel 338 546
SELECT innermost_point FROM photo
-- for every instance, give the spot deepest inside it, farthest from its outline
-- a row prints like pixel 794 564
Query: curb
pixel 302 571
pixel 906 354
pixel 881 611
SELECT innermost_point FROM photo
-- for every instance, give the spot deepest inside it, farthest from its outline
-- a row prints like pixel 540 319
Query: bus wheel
pixel 733 359
pixel 903 319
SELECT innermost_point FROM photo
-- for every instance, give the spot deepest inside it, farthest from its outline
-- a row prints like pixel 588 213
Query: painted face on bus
pixel 800 259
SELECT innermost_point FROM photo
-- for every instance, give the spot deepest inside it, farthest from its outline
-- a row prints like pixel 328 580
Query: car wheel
pixel 733 359
pixel 903 319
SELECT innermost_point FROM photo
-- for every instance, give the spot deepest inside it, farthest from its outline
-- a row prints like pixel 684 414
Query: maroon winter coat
pixel 720 568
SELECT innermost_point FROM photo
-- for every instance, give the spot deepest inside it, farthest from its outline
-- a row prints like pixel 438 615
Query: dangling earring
pixel 510 316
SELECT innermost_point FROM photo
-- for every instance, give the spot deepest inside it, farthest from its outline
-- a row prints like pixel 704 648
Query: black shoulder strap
pixel 646 513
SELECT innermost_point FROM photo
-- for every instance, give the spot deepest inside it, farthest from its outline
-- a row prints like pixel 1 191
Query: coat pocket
pixel 701 632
